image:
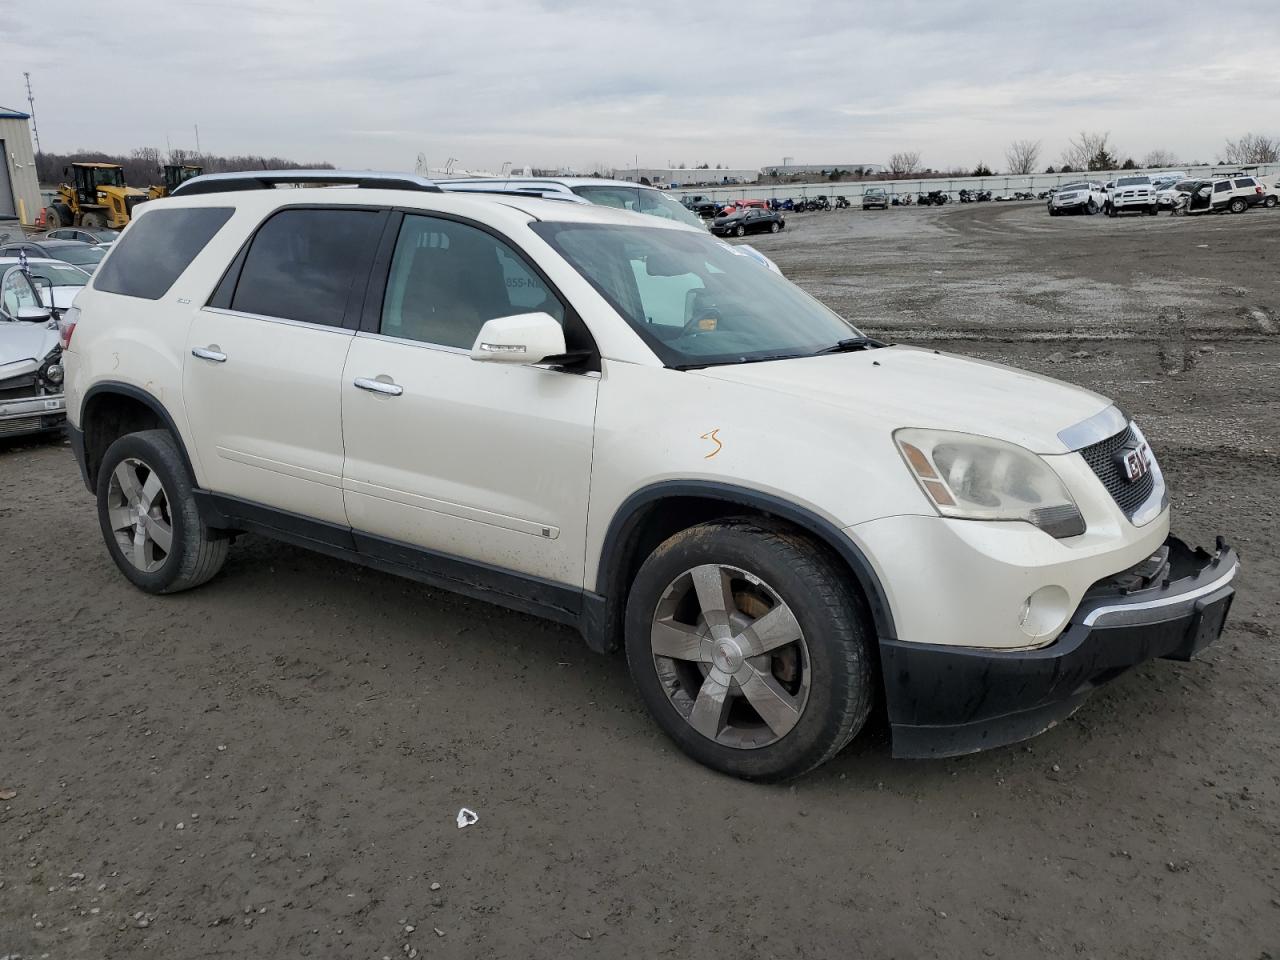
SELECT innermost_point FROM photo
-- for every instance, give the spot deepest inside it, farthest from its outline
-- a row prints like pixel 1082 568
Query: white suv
pixel 1084 196
pixel 1128 194
pixel 617 423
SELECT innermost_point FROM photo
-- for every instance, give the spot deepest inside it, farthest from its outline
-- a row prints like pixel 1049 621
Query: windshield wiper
pixel 850 344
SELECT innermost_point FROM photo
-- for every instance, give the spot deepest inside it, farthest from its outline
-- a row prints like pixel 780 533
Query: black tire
pixel 830 612
pixel 195 554
pixel 1111 210
pixel 1091 207
pixel 92 220
pixel 1270 202
pixel 1238 205
pixel 740 231
pixel 1153 210
pixel 1053 212
pixel 775 227
pixel 53 218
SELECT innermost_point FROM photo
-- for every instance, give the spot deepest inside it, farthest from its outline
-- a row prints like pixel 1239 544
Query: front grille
pixel 18 388
pixel 20 425
pixel 1104 459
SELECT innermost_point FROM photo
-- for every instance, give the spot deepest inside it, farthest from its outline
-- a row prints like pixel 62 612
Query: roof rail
pixel 269 179
pixel 551 192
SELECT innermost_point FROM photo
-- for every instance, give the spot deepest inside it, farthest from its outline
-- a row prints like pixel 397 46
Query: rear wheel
pixel 92 220
pixel 1153 210
pixel 750 648
pixel 53 218
pixel 1238 205
pixel 1270 202
pixel 149 517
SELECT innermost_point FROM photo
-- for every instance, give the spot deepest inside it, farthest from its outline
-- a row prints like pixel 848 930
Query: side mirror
pixel 34 314
pixel 523 338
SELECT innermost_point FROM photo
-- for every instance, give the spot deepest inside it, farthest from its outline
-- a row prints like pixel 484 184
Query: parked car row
pixel 1234 193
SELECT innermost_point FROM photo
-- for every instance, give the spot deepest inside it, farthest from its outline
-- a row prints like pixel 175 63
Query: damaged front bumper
pixel 944 700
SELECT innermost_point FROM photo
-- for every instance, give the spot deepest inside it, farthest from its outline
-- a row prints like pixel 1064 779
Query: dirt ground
pixel 271 766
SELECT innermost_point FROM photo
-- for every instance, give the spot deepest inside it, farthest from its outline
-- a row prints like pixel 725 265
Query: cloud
pixel 553 82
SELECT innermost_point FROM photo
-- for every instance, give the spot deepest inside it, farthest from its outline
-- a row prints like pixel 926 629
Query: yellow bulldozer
pixel 96 198
pixel 175 174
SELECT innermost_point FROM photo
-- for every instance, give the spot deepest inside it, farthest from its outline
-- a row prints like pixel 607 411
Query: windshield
pixel 875 191
pixel 692 299
pixel 86 256
pixel 108 177
pixel 639 200
pixel 1074 186
pixel 1133 181
pixel 1184 186
pixel 59 274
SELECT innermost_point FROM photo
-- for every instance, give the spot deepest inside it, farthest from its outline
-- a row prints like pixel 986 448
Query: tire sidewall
pixel 832 683
pixel 155 449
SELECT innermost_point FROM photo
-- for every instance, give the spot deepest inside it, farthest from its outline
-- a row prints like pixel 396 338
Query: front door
pixel 483 461
pixel 262 373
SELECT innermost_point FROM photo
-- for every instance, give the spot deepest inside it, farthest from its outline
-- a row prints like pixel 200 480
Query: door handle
pixel 208 353
pixel 379 386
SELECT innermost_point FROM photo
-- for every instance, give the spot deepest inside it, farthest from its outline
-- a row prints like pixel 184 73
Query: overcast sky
pixel 373 83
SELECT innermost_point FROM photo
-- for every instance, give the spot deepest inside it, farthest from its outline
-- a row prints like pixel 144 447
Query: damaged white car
pixel 31 399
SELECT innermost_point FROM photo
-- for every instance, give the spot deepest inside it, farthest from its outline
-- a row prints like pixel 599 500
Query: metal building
pixel 19 186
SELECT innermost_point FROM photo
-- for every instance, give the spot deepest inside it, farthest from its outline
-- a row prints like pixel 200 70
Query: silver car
pixel 31 399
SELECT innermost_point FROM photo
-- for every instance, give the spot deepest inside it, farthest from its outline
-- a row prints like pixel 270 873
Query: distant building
pixel 19 186
pixel 686 176
pixel 788 168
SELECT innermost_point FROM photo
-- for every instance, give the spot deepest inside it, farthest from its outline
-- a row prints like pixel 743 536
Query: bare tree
pixel 1022 156
pixel 1160 158
pixel 904 162
pixel 1088 150
pixel 1251 148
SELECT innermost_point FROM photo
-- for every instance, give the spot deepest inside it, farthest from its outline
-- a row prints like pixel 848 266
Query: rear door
pixel 488 462
pixel 262 373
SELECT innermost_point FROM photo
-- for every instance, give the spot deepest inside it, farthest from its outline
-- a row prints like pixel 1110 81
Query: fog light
pixel 53 373
pixel 1044 612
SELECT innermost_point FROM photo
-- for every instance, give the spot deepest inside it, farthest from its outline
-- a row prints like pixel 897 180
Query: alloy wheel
pixel 138 508
pixel 730 656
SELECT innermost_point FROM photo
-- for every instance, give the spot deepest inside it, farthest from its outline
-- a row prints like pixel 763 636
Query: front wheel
pixel 750 648
pixel 1091 207
pixel 775 227
pixel 740 231
pixel 149 517
pixel 1111 210
pixel 93 221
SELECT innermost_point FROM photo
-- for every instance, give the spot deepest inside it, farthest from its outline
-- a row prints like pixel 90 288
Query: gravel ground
pixel 271 766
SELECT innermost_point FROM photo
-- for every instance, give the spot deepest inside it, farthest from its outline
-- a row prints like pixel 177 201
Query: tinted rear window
pixel 156 249
pixel 302 262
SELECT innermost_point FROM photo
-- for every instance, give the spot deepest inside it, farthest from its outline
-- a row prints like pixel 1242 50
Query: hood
pixel 63 296
pixel 24 342
pixel 912 387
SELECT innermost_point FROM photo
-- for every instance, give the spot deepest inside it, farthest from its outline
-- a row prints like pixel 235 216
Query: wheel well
pixel 639 532
pixel 109 416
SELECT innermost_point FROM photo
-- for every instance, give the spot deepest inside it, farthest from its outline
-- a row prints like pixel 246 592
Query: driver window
pixel 447 279
pixel 16 292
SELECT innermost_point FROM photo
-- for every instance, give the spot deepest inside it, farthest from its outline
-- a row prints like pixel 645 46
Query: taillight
pixel 67 326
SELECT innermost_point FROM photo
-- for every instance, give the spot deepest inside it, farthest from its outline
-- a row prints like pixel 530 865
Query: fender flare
pixel 628 513
pixel 151 402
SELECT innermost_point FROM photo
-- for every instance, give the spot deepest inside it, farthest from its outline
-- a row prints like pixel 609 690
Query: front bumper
pixel 32 415
pixel 946 701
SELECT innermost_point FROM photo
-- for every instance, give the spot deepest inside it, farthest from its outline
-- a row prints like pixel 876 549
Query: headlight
pixel 979 478
pixel 51 369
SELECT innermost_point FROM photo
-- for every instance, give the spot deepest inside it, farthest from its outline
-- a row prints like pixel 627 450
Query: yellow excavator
pixel 175 174
pixel 97 197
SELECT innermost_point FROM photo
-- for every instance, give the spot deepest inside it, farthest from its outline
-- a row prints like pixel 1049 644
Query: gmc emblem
pixel 1136 461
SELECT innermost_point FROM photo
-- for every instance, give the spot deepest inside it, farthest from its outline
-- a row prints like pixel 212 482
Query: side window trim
pixel 224 293
pixel 371 318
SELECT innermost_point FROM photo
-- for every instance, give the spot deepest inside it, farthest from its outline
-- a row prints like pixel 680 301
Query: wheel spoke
pixel 140 559
pixel 121 518
pixel 150 489
pixel 676 640
pixel 776 628
pixel 711 706
pixel 127 477
pixel 160 533
pixel 776 707
pixel 711 582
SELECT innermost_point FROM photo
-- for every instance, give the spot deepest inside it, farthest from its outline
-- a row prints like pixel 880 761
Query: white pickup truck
pixel 1128 194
